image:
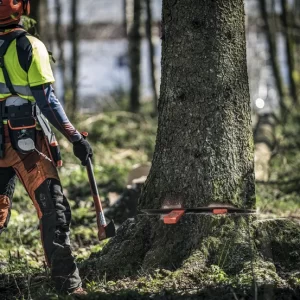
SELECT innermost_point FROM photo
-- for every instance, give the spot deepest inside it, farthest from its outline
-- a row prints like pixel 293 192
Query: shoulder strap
pixel 5 41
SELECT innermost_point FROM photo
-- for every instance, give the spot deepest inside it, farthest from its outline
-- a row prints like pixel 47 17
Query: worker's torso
pixel 27 63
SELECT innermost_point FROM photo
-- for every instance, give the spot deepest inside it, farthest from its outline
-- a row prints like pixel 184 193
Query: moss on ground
pixel 224 261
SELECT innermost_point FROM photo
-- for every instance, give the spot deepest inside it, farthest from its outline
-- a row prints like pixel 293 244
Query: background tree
pixel 39 12
pixel 271 35
pixel 124 21
pixel 289 45
pixel 148 26
pixel 59 37
pixel 134 53
pixel 74 37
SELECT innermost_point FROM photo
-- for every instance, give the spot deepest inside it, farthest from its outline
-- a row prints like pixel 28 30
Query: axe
pixel 105 229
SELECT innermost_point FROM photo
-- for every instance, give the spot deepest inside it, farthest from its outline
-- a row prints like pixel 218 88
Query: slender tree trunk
pixel 264 138
pixel 289 51
pixel 151 55
pixel 271 40
pixel 129 11
pixel 135 56
pixel 204 146
pixel 39 12
pixel 60 45
pixel 297 38
pixel 35 14
pixel 44 25
pixel 125 17
pixel 75 57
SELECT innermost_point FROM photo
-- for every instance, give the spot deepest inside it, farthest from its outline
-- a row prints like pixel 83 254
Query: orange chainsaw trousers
pixel 41 181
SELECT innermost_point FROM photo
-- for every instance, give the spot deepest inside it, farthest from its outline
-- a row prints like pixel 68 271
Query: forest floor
pixel 121 140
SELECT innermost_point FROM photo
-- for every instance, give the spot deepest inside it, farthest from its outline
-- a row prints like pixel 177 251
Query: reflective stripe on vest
pixel 22 90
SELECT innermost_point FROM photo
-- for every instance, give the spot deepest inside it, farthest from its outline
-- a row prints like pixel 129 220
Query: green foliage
pixel 281 195
pixel 217 275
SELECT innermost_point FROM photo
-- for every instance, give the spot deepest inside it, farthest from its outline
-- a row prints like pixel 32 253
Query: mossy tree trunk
pixel 203 155
pixel 204 146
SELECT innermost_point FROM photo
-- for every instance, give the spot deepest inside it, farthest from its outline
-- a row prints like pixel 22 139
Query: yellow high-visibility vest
pixel 39 71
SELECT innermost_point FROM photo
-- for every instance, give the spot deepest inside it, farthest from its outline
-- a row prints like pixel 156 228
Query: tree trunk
pixel 75 58
pixel 39 12
pixel 289 45
pixel 60 45
pixel 271 40
pixel 264 138
pixel 35 14
pixel 134 37
pixel 151 55
pixel 204 146
pixel 124 3
pixel 44 26
pixel 203 155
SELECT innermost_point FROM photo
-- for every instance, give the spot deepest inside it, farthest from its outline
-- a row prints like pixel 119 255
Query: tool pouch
pixel 51 142
pixel 54 150
pixel 22 133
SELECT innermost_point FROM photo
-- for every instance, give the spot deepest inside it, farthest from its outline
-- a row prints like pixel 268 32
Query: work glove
pixel 82 150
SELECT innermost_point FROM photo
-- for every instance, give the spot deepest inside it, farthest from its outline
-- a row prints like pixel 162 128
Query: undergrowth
pixel 121 140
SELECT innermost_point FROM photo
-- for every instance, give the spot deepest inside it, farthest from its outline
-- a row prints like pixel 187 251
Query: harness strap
pixel 2 107
pixel 5 41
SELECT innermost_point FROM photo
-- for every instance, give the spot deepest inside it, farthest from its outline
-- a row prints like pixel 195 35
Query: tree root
pixel 239 255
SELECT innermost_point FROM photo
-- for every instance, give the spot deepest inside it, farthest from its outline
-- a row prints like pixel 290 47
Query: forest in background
pixel 123 135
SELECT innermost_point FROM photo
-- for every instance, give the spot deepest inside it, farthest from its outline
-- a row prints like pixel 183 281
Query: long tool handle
pixel 105 230
pixel 100 215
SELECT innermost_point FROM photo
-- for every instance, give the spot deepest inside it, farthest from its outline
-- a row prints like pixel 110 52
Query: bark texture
pixel 204 146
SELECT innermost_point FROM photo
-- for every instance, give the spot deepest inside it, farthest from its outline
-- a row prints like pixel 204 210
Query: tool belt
pixel 21 126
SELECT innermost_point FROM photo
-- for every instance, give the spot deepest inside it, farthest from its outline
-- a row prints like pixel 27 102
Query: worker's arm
pixel 54 112
pixel 35 60
pixel 51 108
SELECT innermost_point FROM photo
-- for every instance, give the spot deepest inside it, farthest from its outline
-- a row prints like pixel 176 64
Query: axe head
pixel 108 231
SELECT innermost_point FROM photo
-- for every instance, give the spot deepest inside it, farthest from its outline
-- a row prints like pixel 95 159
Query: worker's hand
pixel 82 150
